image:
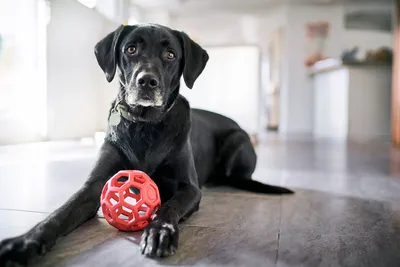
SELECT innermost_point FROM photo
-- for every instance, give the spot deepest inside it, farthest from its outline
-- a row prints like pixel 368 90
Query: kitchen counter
pixel 352 100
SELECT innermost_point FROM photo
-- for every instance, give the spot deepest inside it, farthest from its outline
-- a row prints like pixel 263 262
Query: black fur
pixel 179 148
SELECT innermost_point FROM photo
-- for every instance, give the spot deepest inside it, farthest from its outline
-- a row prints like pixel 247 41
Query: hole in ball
pixel 113 201
pixel 126 209
pixel 130 200
pixel 134 190
pixel 142 213
pixel 122 179
pixel 143 210
pixel 123 217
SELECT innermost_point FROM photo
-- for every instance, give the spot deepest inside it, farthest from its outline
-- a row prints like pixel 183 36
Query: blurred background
pixel 320 68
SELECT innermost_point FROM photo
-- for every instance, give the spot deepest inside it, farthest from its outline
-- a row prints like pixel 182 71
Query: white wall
pixel 156 16
pixel 211 30
pixel 230 85
pixel 76 85
pixel 367 39
pixel 116 11
pixel 233 29
pixel 296 109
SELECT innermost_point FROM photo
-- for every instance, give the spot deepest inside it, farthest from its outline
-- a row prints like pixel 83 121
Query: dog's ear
pixel 106 52
pixel 195 59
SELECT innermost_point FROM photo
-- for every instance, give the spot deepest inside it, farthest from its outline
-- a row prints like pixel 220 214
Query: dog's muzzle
pixel 145 91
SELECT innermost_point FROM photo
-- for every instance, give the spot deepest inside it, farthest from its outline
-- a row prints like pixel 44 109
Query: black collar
pixel 121 109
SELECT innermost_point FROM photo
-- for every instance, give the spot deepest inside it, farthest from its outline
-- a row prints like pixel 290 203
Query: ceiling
pixel 358 14
pixel 189 6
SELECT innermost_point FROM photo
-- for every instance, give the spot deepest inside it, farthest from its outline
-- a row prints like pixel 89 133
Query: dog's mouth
pixel 145 113
pixel 147 103
pixel 154 99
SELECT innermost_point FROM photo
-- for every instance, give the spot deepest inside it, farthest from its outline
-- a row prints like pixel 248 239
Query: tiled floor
pixel 346 210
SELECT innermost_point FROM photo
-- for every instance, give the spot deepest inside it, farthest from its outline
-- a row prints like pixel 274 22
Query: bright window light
pixel 88 3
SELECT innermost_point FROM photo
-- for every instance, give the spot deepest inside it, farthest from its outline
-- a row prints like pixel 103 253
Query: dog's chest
pixel 143 145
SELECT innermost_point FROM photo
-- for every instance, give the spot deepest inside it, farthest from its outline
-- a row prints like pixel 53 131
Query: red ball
pixel 129 200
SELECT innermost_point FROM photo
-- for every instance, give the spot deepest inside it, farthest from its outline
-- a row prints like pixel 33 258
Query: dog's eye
pixel 131 50
pixel 170 55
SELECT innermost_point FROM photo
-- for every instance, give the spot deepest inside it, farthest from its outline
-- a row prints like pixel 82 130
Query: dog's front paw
pixel 159 239
pixel 18 251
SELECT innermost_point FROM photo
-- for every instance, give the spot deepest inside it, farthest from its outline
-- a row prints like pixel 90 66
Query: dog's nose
pixel 147 81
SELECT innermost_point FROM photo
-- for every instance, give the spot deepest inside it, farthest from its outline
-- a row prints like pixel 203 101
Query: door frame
pixel 396 79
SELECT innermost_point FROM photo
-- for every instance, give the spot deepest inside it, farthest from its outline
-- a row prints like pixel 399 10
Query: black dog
pixel 152 128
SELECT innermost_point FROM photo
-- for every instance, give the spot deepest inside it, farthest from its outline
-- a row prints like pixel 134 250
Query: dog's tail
pixel 257 187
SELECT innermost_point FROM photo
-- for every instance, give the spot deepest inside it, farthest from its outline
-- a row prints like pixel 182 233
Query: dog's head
pixel 149 60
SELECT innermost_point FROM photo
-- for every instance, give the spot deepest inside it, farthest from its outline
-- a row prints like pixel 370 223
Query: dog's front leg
pixel 82 206
pixel 161 237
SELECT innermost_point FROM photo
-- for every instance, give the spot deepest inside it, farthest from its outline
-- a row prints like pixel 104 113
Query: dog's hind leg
pixel 237 163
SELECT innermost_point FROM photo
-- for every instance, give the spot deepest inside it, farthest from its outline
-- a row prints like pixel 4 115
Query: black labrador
pixel 152 128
